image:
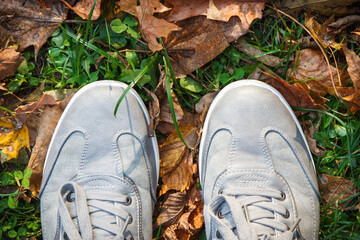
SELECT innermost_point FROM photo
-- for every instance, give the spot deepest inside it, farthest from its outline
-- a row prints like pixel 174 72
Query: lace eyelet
pixel 128 201
pixel 218 235
pixel 220 215
pixel 221 191
pixel 130 219
pixel 287 214
pixel 282 195
pixel 70 197
pixel 65 236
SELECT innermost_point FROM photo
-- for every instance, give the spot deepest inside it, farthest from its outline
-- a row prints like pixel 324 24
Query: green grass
pixel 83 52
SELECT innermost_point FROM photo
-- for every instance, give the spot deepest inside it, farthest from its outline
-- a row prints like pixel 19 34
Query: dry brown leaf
pixel 309 130
pixel 83 8
pixel 353 69
pixel 47 123
pixel 171 210
pixel 334 189
pixel 200 39
pixel 13 136
pixel 219 10
pixel 180 178
pixel 176 161
pixel 154 111
pixel 190 223
pixel 150 27
pixel 313 70
pixel 27 23
pixel 205 101
pixel 324 7
pixel 252 51
pixel 320 32
pixel 342 23
pixel 10 60
pixel 294 94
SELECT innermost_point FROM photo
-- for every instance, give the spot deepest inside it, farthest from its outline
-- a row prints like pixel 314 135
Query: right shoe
pixel 256 170
pixel 101 171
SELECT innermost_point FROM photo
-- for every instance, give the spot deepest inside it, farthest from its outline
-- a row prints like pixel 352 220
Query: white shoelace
pixel 88 206
pixel 249 209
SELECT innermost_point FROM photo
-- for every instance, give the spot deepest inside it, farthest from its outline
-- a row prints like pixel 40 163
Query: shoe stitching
pixel 296 153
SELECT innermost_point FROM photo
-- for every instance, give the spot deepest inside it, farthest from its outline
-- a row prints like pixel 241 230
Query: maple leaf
pixel 150 27
pixel 28 24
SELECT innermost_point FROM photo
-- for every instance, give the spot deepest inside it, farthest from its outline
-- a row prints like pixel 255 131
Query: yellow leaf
pixel 13 137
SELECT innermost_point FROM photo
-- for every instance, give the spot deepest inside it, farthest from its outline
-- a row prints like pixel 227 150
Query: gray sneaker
pixel 101 172
pixel 256 170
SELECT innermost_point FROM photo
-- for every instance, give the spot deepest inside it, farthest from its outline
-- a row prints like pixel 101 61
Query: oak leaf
pixel 150 27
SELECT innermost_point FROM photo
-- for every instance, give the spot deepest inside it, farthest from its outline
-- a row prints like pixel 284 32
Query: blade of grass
pixel 133 83
pixel 171 103
pixel 85 37
pixel 93 47
pixel 7 110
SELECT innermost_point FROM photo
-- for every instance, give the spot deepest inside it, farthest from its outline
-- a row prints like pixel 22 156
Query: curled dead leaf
pixel 342 23
pixel 83 8
pixel 252 51
pixel 320 33
pixel 206 100
pixel 10 60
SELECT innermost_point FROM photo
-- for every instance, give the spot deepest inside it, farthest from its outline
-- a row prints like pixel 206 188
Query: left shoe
pixel 101 171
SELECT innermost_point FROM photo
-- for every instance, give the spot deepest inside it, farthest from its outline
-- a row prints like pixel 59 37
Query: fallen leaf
pixel 180 178
pixel 200 39
pixel 324 7
pixel 219 10
pixel 150 27
pixel 83 8
pixel 334 189
pixel 353 69
pixel 312 70
pixel 10 60
pixel 252 51
pixel 154 111
pixel 205 101
pixel 46 126
pixel 342 23
pixel 309 130
pixel 27 23
pixel 170 210
pixel 176 161
pixel 13 137
pixel 294 94
pixel 320 32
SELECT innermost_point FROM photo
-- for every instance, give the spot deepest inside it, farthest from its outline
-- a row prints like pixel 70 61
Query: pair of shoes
pixel 256 171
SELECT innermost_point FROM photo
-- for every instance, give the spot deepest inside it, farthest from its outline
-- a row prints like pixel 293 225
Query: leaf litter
pixel 193 34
